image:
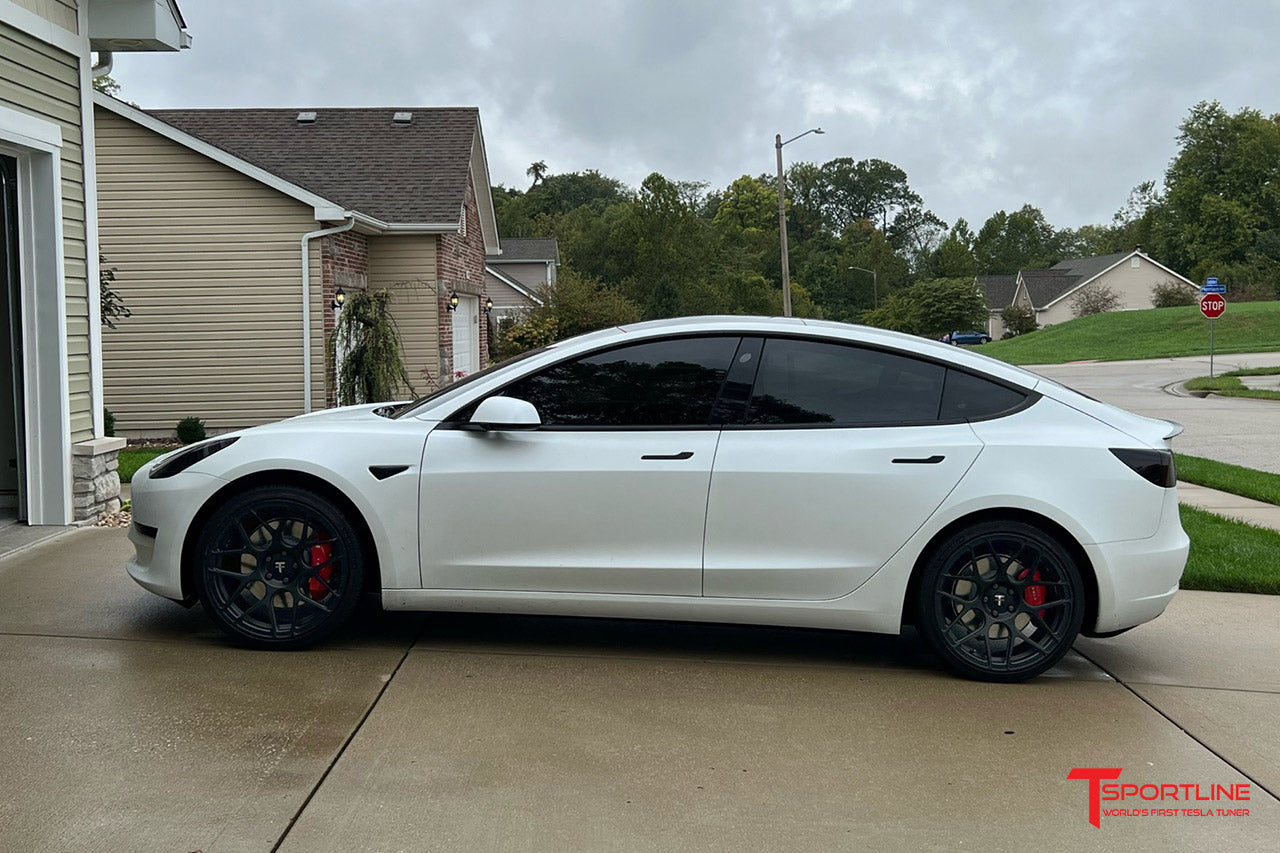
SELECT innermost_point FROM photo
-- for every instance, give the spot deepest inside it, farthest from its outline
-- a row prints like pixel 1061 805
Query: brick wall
pixel 460 267
pixel 344 263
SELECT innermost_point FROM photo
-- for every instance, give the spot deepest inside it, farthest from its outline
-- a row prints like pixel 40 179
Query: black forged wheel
pixel 279 568
pixel 1000 601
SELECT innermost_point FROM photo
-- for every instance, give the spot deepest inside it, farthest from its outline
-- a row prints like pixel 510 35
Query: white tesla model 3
pixel 720 469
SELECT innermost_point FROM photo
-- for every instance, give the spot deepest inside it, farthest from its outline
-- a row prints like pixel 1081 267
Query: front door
pixel 12 424
pixel 609 495
pixel 466 336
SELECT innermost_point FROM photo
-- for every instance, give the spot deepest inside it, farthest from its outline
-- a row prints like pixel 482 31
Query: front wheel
pixel 1000 601
pixel 279 567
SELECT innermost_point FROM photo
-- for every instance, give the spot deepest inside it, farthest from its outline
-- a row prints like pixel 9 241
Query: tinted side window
pixel 967 396
pixel 659 383
pixel 807 382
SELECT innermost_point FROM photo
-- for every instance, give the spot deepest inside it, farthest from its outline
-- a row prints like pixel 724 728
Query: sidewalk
pixel 1229 505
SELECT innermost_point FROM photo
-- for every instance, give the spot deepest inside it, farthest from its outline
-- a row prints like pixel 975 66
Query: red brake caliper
pixel 320 555
pixel 1033 594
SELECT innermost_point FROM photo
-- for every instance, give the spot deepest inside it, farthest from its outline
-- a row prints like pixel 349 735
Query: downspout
pixel 306 304
pixel 105 62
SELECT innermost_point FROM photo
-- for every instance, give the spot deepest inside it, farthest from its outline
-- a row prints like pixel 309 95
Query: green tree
pixel 537 171
pixel 932 308
pixel 1008 242
pixel 372 366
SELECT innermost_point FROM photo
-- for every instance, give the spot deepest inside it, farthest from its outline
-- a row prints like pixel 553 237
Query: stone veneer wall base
pixel 95 478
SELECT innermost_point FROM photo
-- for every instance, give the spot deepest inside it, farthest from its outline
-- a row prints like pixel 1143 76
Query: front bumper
pixel 166 507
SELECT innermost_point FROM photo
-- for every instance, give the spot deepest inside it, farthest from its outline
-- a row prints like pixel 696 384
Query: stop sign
pixel 1212 305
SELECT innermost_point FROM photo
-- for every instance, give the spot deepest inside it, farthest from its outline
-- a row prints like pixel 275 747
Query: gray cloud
pixel 986 105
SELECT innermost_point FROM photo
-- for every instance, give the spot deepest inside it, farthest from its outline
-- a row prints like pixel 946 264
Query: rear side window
pixel 969 397
pixel 810 382
pixel 658 383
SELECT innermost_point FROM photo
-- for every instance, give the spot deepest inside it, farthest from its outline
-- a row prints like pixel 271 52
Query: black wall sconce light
pixel 338 298
pixel 452 305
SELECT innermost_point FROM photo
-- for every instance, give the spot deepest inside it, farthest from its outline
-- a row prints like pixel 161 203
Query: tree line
pixel 671 248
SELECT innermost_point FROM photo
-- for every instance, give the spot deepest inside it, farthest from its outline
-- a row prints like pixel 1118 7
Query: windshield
pixel 411 408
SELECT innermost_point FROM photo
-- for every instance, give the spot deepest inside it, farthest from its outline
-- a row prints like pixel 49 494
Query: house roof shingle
pixel 413 173
pixel 1044 286
pixel 527 249
pixel 1087 268
pixel 999 290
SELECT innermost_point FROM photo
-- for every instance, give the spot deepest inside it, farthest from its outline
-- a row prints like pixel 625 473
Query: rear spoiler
pixel 1175 429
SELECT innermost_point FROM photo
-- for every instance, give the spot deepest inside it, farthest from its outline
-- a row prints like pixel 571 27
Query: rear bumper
pixel 1138 577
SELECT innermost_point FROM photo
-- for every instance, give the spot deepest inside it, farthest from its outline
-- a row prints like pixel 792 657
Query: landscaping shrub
pixel 1018 320
pixel 190 430
pixel 108 422
pixel 1170 294
pixel 1094 300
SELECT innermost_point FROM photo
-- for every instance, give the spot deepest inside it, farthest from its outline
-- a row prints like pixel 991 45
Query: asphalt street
pixel 1230 429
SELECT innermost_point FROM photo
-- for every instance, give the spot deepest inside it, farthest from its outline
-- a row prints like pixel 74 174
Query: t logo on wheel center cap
pixel 281 565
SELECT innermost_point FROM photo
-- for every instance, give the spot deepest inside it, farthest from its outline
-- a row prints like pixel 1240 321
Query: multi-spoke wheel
pixel 279 567
pixel 1000 601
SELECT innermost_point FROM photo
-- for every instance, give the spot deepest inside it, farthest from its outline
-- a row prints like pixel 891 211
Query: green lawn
pixel 1259 485
pixel 1230 556
pixel 1152 333
pixel 133 458
pixel 1229 385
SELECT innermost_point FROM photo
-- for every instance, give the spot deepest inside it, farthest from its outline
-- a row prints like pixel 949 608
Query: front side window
pixel 814 383
pixel 657 383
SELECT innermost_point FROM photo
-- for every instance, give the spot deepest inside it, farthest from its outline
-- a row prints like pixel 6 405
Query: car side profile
pixel 723 469
pixel 966 339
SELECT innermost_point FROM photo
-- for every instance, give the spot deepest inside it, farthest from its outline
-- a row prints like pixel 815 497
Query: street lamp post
pixel 782 219
pixel 875 290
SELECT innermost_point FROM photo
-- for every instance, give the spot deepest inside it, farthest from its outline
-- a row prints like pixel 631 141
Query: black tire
pixel 1000 601
pixel 279 567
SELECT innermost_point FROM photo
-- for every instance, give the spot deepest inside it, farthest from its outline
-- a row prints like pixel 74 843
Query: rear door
pixel 841 457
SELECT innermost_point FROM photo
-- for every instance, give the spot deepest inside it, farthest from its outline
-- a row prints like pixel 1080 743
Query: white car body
pixel 799 527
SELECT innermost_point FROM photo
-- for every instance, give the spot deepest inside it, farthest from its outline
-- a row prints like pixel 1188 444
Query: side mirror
pixel 499 413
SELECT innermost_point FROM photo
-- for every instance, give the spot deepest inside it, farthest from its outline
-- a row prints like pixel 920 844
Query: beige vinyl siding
pixel 60 12
pixel 407 265
pixel 209 263
pixel 40 80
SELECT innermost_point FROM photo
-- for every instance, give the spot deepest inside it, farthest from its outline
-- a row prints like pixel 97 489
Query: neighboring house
pixel 1050 293
pixel 231 230
pixel 56 464
pixel 515 278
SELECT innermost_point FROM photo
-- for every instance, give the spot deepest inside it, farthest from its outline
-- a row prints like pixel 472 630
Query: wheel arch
pixel 1088 575
pixel 281 477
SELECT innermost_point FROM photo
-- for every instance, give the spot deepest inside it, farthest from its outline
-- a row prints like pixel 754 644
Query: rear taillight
pixel 1154 466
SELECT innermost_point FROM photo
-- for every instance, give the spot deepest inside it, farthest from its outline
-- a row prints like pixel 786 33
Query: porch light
pixel 338 298
pixel 488 305
pixel 453 301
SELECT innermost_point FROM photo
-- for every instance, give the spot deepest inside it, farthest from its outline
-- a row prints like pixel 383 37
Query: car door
pixel 607 495
pixel 841 457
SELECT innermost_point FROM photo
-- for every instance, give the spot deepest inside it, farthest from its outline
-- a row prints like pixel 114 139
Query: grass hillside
pixel 1153 333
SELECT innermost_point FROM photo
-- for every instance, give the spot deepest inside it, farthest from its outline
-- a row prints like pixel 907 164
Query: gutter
pixel 306 303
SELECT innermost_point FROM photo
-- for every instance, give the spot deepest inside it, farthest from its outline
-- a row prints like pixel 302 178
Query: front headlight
pixel 184 459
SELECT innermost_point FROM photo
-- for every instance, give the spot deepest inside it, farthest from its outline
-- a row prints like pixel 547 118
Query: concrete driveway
pixel 127 724
pixel 1236 430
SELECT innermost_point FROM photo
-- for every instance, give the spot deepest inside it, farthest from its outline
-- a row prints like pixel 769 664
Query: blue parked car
pixel 966 339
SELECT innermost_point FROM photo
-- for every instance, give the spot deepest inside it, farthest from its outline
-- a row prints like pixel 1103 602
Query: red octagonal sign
pixel 1212 305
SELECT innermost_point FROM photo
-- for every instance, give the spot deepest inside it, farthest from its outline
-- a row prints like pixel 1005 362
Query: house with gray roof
pixel 233 233
pixel 57 464
pixel 1050 293
pixel 517 279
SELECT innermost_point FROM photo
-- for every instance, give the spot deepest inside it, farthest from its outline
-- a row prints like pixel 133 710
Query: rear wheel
pixel 1000 601
pixel 279 567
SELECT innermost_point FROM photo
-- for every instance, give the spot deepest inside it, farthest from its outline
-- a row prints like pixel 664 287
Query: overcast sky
pixel 986 105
